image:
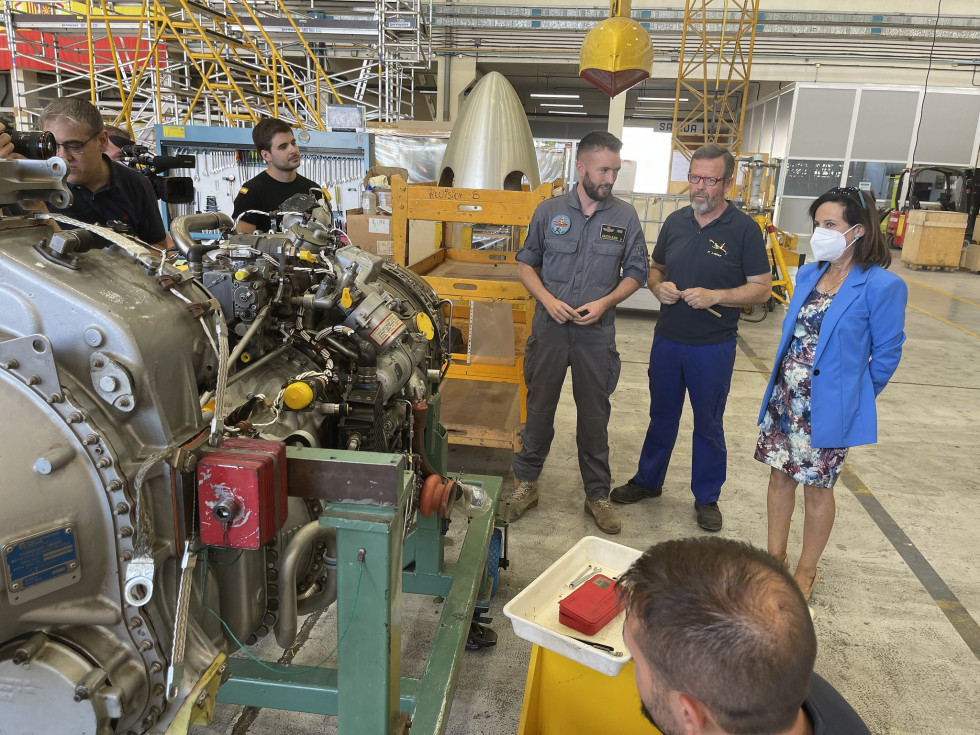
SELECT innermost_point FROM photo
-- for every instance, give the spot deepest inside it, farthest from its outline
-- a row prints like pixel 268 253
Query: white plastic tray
pixel 534 612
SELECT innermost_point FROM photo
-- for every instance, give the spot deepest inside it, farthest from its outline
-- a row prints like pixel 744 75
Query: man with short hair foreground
pixel 723 644
pixel 266 192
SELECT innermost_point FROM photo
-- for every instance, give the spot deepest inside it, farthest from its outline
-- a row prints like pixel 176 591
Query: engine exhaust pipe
pixel 288 597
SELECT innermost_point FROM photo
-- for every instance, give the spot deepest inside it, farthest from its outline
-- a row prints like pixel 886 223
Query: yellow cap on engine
pixel 241 274
pixel 297 396
pixel 424 325
pixel 346 299
pixel 307 256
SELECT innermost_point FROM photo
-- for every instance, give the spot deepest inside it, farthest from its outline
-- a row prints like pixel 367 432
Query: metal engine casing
pixel 101 368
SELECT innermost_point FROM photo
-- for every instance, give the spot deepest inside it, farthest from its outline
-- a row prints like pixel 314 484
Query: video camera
pixel 170 189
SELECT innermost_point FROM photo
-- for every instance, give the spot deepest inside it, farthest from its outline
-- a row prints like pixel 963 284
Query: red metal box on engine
pixel 591 606
pixel 237 499
pixel 277 451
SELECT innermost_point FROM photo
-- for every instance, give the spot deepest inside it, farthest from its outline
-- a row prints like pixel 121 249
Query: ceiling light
pixel 662 99
pixel 556 104
pixel 557 96
pixel 428 91
pixel 565 112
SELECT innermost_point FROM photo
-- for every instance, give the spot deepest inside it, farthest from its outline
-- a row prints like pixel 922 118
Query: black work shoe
pixel 631 492
pixel 709 516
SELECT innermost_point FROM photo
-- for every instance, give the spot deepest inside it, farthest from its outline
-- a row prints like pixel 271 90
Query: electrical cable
pixel 265 665
pixel 925 88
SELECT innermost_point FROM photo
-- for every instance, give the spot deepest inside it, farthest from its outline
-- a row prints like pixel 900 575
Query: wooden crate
pixel 934 238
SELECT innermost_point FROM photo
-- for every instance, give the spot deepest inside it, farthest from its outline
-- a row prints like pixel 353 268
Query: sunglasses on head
pixel 850 191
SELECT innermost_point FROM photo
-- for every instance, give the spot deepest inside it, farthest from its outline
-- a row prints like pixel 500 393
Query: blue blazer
pixel 858 350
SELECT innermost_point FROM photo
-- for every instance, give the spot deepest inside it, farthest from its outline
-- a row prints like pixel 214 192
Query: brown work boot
pixel 606 518
pixel 525 496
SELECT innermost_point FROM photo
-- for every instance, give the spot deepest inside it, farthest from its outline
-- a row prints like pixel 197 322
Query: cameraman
pixel 103 192
pixel 6 147
pixel 118 139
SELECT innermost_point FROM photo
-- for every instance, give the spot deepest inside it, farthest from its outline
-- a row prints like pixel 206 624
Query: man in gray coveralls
pixel 590 250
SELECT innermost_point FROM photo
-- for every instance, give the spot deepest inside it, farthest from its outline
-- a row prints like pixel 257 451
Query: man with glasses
pixel 710 261
pixel 103 192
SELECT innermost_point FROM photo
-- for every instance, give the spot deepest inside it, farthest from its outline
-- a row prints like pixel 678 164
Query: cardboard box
pixel 971 258
pixel 371 232
pixel 934 238
pixel 388 171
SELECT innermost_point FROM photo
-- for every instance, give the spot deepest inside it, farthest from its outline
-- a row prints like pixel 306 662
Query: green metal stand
pixel 366 691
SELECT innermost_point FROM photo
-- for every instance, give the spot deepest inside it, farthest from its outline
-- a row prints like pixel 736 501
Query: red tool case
pixel 591 606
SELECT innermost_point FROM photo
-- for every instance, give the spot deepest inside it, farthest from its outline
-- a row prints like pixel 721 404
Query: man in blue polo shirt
pixel 710 261
pixel 103 191
pixel 590 250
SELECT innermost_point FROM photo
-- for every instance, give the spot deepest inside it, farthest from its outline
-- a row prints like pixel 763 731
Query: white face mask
pixel 830 244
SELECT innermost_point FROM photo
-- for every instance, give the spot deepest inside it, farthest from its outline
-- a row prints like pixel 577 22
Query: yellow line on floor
pixel 945 321
pixel 938 290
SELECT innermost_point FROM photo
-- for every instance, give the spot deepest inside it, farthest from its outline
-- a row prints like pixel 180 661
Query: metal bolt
pixel 72 564
pixel 124 403
pixel 158 690
pixel 69 530
pixel 146 646
pixel 125 532
pixel 55 398
pixel 122 509
pixel 135 623
pixel 108 383
pixel 15 586
pixel 103 463
pixel 127 556
pixel 98 363
pixel 93 337
pixel 156 667
pixel 115 486
pixel 75 418
pixel 34 380
pixel 92 439
pixel 10 549
pixel 202 699
pixel 10 364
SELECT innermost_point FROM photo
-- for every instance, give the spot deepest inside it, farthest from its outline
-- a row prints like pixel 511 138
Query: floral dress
pixel 784 441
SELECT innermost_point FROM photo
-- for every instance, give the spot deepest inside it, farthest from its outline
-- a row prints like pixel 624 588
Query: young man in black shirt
pixel 266 192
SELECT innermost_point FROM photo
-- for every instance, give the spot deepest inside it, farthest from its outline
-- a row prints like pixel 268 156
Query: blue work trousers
pixel 704 372
pixel 591 353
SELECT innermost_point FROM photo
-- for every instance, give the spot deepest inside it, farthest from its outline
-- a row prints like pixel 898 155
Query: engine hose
pixel 256 326
pixel 180 231
pixel 420 411
pixel 338 346
pixel 298 547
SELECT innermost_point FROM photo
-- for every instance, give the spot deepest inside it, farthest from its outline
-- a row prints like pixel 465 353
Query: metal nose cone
pixel 491 145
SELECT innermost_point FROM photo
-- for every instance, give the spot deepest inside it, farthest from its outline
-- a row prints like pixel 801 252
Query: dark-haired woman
pixel 841 343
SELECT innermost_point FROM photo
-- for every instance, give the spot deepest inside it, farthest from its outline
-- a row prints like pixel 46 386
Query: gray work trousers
pixel 591 353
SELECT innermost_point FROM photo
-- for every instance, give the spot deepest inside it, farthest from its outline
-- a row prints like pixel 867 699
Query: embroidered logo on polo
pixel 718 249
pixel 561 224
pixel 608 232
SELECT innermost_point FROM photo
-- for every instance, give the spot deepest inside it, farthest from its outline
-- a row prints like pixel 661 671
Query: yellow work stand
pixel 483 402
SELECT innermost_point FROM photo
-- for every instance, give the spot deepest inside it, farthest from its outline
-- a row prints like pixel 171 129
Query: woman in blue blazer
pixel 841 343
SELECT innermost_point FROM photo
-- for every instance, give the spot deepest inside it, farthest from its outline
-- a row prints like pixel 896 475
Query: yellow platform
pixel 563 697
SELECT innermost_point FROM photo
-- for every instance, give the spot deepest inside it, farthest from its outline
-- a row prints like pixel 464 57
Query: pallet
pixel 943 268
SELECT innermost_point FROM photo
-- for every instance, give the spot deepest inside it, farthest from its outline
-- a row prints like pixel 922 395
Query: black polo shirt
pixel 127 198
pixel 266 194
pixel 720 255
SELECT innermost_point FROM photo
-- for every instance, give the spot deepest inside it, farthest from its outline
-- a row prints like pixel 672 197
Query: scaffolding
pixel 217 62
pixel 714 67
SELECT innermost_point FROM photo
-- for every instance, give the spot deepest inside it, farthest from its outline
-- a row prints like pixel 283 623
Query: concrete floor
pixel 898 581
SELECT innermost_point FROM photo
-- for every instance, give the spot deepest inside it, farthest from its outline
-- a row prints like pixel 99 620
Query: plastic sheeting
pixel 422 156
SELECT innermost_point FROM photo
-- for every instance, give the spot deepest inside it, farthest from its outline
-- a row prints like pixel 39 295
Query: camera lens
pixel 40 146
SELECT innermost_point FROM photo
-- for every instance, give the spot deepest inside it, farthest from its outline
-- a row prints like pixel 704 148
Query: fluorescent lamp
pixel 428 91
pixel 557 96
pixel 565 112
pixel 556 104
pixel 661 99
